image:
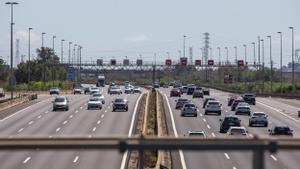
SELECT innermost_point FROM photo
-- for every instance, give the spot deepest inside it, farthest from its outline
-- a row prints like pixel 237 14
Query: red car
pixel 175 93
pixel 231 99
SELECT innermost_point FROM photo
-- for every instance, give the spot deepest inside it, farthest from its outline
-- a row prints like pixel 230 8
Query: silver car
pixel 100 96
pixel 258 118
pixel 95 103
pixel 243 108
pixel 60 102
pixel 213 106
pixel 189 109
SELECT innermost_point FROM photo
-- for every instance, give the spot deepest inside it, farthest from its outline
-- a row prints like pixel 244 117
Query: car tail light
pixel 290 133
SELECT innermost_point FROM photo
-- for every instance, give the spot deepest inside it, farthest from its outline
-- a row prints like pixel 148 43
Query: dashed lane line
pixel 213 134
pixel 227 156
pixel 102 116
pixel 99 121
pixel 26 160
pixel 204 120
pixel 76 159
pixel 233 167
pixel 273 157
pixel 20 130
pixel 30 122
pixel 57 130
pixel 208 126
pixel 65 122
pixel 94 129
pixel 71 116
pixel 38 117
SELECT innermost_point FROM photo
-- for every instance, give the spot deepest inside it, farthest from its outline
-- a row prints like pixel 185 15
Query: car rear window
pixel 119 100
pixel 237 131
pixel 231 119
pixel 59 99
pixel 94 99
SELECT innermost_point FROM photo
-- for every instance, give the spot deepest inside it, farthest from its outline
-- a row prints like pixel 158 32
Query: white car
pixel 137 90
pixel 243 108
pixel 213 106
pixel 94 103
pixel 258 118
pixel 77 90
pixel 189 109
pixel 196 134
pixel 237 131
pixel 94 90
pixel 100 96
pixel 115 90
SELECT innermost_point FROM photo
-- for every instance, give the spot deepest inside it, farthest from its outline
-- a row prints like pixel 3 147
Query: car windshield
pixel 97 95
pixel 243 104
pixel 59 99
pixel 214 103
pixel 119 100
pixel 249 95
pixel 54 88
pixel 94 88
pixel 231 119
pixel 189 105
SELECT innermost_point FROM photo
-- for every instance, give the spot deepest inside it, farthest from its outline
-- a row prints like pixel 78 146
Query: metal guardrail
pixel 257 145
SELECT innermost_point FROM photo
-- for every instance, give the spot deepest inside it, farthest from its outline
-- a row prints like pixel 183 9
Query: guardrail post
pixel 258 159
pixel 141 154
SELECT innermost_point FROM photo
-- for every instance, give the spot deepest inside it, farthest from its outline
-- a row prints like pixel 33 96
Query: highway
pixel 39 120
pixel 280 111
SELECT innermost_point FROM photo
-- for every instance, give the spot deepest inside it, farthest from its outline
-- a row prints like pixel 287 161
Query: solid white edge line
pixel 295 120
pixel 183 164
pixel 123 163
pixel 26 160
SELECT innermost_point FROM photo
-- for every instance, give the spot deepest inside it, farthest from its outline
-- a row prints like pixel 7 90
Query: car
pixel 189 109
pixel 175 92
pixel 249 98
pixel 54 90
pixel 258 118
pixel 280 130
pixel 213 106
pixel 86 90
pixel 205 91
pixel 236 102
pixel 77 90
pixel 230 99
pixel 110 86
pixel 198 94
pixel 206 99
pixel 155 85
pixel 190 90
pixel 120 104
pixel 199 88
pixel 183 89
pixel 94 90
pixel 100 96
pixel 165 86
pixel 128 89
pixel 2 93
pixel 237 131
pixel 115 90
pixel 229 121
pixel 60 102
pixel 196 134
pixel 94 102
pixel 243 108
pixel 180 102
pixel 137 90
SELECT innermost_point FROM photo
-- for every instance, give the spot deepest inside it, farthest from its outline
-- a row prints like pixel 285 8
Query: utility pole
pixel 293 63
pixel 29 53
pixel 271 65
pixel 62 51
pixel 281 77
pixel 263 65
pixel 245 47
pixel 69 59
pixel 184 37
pixel 235 51
pixel 53 62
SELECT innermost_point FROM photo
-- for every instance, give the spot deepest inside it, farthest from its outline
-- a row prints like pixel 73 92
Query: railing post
pixel 258 159
pixel 141 155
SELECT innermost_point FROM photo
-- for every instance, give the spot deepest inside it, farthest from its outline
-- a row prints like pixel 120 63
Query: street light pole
pixel 69 59
pixel 254 58
pixel 62 51
pixel 219 55
pixel 258 51
pixel 29 53
pixel 281 78
pixel 293 63
pixel 245 46
pixel 211 51
pixel 43 38
pixel 53 62
pixel 263 64
pixel 74 54
pixel 12 79
pixel 226 55
pixel 184 45
pixel 43 57
pixel 168 53
pixel 235 50
pixel 271 65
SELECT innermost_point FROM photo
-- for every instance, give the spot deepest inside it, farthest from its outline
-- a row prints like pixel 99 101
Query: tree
pixel 4 69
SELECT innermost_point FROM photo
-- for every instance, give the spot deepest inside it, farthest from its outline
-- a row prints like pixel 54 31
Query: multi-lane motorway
pixel 280 111
pixel 39 120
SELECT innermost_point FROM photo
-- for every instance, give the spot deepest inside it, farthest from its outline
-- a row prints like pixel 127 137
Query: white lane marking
pixel 102 116
pixel 85 104
pixel 130 131
pixel 81 107
pixel 105 111
pixel 227 156
pixel 21 111
pixel 279 112
pixel 273 157
pixel 108 107
pixel 65 122
pixel 50 136
pixel 75 159
pixel 201 114
pixel 90 136
pixel 46 112
pixel 76 111
pixel 57 130
pixel 204 120
pixel 99 121
pixel 71 116
pixel 226 111
pixel 213 134
pixel 208 126
pixel 233 167
pixel 183 164
pixel 30 122
pixel 26 160
pixel 38 117
pixel 95 128
pixel 20 130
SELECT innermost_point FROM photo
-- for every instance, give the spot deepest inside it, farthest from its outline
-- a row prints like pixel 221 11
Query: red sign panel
pixel 183 61
pixel 168 62
pixel 240 63
pixel 210 62
pixel 198 62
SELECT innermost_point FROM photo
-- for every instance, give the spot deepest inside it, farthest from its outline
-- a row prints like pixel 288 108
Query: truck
pixel 100 81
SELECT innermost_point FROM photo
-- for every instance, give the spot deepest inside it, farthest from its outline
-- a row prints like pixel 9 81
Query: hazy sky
pixel 119 28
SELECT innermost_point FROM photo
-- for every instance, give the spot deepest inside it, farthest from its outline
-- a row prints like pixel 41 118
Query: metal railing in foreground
pixel 257 145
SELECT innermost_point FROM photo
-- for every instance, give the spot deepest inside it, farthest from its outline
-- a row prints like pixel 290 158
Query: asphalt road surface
pixel 39 120
pixel 280 111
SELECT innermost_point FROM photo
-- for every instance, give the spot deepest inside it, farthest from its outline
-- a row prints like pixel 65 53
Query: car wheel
pixel 219 114
pixel 88 108
pixel 250 124
pixel 67 109
pixel 205 113
pixel 266 125
pixel 54 109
